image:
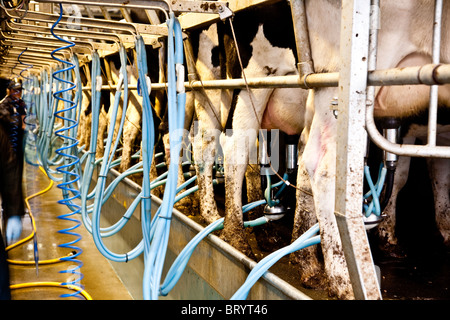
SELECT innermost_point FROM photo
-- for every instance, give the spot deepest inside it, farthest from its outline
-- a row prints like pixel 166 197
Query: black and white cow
pixel 266 45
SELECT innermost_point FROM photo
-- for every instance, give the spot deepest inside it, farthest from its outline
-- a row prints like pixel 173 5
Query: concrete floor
pixel 99 279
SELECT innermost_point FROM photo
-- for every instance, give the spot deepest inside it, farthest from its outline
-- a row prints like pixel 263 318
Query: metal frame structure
pixel 357 79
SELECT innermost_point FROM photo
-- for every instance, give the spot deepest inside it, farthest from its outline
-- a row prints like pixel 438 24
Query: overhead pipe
pixel 82 34
pixel 428 74
pixel 305 63
pixel 436 51
pixel 213 7
pixel 130 28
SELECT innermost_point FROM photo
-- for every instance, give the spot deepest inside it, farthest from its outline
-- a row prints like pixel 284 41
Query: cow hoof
pixel 240 244
pixel 187 206
pixel 316 282
pixel 447 243
pixel 392 251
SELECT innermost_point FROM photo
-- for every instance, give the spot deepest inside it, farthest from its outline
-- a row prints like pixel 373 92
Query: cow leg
pixel 320 162
pixel 188 204
pixel 235 165
pixel 236 145
pixel 204 147
pixel 209 106
pixel 184 204
pixel 307 260
pixel 439 170
pixel 158 191
pixel 386 229
pixel 85 121
pixel 102 125
pixel 131 129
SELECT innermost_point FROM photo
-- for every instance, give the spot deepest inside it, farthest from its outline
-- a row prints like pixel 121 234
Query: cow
pixel 439 175
pixel 403 41
pixel 230 119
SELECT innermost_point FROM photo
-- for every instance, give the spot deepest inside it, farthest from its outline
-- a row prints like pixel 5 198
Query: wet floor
pixel 99 280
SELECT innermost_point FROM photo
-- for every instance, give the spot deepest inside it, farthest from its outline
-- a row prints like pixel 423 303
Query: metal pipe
pixel 32 53
pixel 131 28
pixel 436 51
pixel 33 45
pixel 82 34
pixel 351 147
pixel 215 7
pixel 428 74
pixel 305 64
pixel 41 61
pixel 154 4
pixel 52 41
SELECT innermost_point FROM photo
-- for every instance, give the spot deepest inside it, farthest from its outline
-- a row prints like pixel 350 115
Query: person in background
pixel 12 114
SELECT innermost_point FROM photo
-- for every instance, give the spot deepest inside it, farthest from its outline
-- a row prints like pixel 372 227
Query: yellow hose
pixel 40 262
pixel 51 284
pixel 31 215
pixel 33 222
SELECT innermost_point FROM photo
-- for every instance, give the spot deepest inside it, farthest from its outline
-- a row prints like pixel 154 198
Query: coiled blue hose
pixel 14 130
pixel 48 136
pixel 71 160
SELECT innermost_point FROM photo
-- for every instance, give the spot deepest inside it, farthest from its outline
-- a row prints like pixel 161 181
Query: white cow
pixel 404 40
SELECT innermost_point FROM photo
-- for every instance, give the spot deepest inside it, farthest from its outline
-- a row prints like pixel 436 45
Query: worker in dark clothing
pixel 12 113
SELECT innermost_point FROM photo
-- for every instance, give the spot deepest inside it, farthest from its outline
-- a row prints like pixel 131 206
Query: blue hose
pixel 109 152
pixel 375 190
pixel 70 163
pixel 155 251
pixel 305 240
pixel 90 154
pixel 178 266
pixel 147 144
pixel 48 138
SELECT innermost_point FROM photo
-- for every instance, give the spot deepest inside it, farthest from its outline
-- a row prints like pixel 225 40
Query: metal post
pixel 436 53
pixel 305 63
pixel 351 147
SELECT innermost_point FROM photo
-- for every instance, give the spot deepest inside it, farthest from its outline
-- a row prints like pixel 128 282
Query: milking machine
pixel 274 209
pixel 372 207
